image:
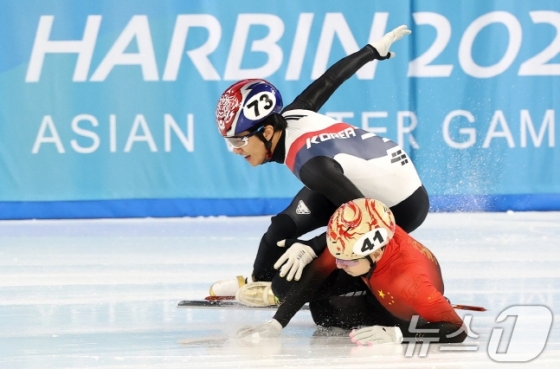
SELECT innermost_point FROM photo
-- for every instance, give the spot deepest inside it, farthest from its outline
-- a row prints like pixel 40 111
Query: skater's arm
pixel 302 291
pixel 435 309
pixel 319 91
pixel 325 175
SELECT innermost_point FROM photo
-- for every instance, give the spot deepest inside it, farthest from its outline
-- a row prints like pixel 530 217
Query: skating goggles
pixel 240 141
pixel 347 263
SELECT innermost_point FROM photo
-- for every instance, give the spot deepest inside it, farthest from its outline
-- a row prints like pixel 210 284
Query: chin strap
pixel 267 146
pixel 372 265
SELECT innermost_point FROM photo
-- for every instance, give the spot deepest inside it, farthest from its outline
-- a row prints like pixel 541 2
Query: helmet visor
pixel 347 263
pixel 241 141
pixel 237 141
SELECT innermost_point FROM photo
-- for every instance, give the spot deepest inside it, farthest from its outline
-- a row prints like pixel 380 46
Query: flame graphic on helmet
pixel 346 220
pixel 354 219
pixel 228 106
pixel 378 220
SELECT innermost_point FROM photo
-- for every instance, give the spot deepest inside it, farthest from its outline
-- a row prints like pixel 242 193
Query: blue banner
pixel 107 108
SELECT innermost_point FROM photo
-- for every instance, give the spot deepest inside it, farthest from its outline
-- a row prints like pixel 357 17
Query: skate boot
pixel 257 294
pixel 227 287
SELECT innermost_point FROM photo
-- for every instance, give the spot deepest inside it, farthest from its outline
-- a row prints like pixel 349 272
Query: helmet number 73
pixel 259 105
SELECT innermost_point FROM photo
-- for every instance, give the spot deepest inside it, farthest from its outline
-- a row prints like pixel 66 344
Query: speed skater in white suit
pixel 352 163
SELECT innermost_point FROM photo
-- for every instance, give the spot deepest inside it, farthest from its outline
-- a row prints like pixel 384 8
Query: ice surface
pixel 103 294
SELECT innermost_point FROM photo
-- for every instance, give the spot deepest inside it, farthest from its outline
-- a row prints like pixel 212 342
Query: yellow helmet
pixel 358 228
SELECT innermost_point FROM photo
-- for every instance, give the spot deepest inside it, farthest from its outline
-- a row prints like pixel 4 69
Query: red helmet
pixel 245 105
pixel 358 228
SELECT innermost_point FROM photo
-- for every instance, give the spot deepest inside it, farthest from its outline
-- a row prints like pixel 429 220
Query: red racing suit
pixel 406 281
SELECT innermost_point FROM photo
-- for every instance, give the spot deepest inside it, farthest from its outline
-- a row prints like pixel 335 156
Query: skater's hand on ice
pixel 382 46
pixel 376 334
pixel 294 259
pixel 272 328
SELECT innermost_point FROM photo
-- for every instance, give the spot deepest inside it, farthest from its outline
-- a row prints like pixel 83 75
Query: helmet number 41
pixel 371 241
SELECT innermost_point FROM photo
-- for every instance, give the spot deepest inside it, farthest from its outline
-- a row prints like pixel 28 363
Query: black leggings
pixel 411 213
pixel 310 210
pixel 344 301
pixel 315 212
